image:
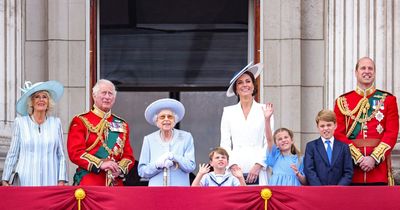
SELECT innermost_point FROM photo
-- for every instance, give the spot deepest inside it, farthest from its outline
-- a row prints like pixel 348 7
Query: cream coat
pixel 244 139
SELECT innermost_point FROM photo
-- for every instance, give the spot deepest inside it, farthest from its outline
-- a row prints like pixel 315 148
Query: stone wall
pixel 309 48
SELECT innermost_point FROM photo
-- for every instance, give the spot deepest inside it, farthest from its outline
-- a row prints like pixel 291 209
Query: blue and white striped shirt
pixel 36 152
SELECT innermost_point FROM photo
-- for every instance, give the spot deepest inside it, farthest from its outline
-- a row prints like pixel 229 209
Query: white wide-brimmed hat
pixel 254 69
pixel 55 89
pixel 165 103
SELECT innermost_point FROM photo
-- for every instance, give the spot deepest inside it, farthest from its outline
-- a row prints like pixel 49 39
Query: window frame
pixel 94 70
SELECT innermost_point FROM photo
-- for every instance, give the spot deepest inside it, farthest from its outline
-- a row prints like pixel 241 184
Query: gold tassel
pixel 79 195
pixel 266 194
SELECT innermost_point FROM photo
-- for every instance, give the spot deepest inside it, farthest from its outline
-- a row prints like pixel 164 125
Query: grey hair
pixel 96 87
pixel 156 116
pixel 50 106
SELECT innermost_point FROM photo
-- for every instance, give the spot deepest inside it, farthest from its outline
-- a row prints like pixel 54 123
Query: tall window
pixel 187 50
pixel 172 45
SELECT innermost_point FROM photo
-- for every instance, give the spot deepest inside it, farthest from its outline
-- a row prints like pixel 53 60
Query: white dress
pixel 244 139
pixel 37 157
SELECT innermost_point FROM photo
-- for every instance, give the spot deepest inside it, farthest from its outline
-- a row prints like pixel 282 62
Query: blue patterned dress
pixel 282 173
pixel 36 152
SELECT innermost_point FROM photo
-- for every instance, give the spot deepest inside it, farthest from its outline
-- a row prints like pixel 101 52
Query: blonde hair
pixel 293 148
pixel 50 106
pixel 218 150
pixel 325 115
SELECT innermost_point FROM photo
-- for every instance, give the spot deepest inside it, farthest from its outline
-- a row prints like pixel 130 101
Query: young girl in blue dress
pixel 282 155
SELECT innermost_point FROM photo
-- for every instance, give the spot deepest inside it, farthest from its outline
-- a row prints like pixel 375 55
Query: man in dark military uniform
pixel 98 141
pixel 368 121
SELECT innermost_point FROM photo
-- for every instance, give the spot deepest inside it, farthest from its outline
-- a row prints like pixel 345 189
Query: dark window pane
pixel 167 44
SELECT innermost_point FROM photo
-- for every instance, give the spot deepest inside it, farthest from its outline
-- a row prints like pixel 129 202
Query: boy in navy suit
pixel 327 161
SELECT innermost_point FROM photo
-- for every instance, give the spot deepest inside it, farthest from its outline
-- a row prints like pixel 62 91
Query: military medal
pixel 117 127
pixel 381 105
pixel 379 128
pixel 375 104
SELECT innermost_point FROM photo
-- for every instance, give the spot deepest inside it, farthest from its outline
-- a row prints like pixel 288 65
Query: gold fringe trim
pixel 361 109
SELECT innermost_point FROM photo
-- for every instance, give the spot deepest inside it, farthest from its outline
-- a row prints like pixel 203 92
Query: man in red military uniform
pixel 368 121
pixel 98 142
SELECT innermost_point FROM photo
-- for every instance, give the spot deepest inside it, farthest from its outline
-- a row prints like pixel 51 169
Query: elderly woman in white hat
pixel 243 132
pixel 36 152
pixel 167 155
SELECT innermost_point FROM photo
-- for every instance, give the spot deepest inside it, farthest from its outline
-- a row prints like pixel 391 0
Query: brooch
pixel 379 128
pixel 379 116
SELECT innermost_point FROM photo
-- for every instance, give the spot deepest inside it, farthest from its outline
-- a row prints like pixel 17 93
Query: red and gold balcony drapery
pixel 330 197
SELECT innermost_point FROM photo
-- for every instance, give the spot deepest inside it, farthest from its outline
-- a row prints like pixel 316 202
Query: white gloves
pixel 160 162
pixel 168 163
pixel 170 155
pixel 165 160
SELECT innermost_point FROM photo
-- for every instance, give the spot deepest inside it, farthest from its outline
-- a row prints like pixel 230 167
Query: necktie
pixel 328 150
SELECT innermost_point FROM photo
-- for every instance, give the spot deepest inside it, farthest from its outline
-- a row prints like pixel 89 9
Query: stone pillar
pixel 294 63
pixel 10 69
pixel 282 61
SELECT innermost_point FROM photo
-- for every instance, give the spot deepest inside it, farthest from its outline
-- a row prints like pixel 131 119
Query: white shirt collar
pixel 332 139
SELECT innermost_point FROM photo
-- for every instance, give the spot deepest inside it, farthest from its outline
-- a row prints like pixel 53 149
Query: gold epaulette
pixel 356 155
pixel 81 114
pixel 379 152
pixel 344 94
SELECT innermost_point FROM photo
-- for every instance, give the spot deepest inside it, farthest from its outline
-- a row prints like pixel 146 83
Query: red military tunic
pixel 92 140
pixel 370 127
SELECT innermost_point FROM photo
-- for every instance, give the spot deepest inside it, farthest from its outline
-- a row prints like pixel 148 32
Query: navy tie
pixel 328 150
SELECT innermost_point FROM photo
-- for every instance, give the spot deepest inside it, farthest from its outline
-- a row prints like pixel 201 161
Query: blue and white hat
pixel 55 89
pixel 165 103
pixel 254 69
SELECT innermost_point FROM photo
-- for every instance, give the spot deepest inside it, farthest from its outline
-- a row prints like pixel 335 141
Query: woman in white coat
pixel 243 127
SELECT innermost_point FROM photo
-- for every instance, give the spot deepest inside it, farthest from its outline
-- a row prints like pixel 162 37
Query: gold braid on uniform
pixel 356 155
pixel 99 129
pixel 124 165
pixel 361 109
pixel 93 160
pixel 379 152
